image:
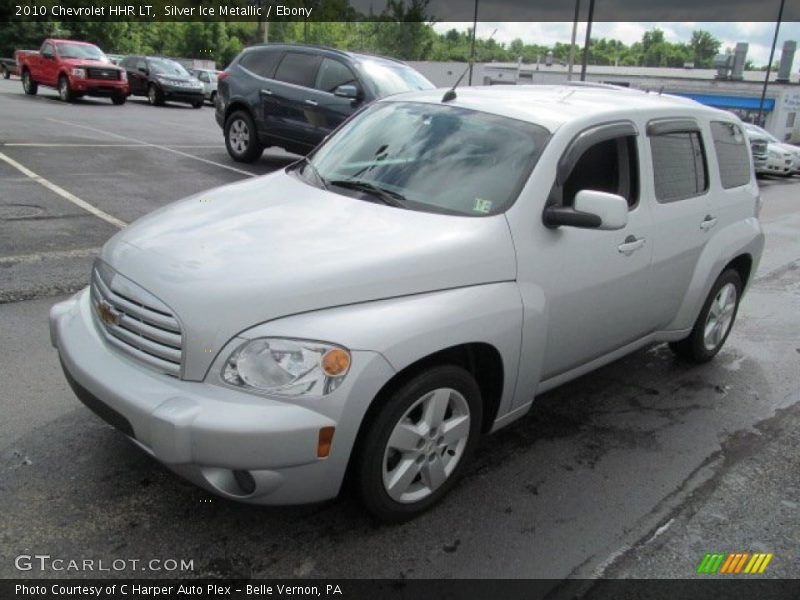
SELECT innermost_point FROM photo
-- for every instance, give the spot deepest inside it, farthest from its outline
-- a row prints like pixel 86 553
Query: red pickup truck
pixel 75 69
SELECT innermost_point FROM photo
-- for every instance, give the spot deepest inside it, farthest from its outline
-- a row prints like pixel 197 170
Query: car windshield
pixel 390 78
pixel 429 157
pixel 164 66
pixel 80 51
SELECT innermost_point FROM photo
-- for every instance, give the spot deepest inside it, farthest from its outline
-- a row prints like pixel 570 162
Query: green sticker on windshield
pixel 482 206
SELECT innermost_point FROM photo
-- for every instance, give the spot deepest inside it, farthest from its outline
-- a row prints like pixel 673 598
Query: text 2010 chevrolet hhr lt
pixel 413 283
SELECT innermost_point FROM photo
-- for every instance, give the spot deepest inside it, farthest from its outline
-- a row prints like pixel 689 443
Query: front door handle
pixel 630 245
pixel 266 92
pixel 708 223
pixel 312 102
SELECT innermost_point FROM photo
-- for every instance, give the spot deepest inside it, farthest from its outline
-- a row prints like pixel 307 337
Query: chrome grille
pixel 136 322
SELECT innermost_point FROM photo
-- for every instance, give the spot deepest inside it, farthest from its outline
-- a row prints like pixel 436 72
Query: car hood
pixel 237 256
pixel 89 62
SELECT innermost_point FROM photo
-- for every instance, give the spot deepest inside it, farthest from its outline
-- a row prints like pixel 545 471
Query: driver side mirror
pixel 591 210
pixel 346 91
pixel 48 55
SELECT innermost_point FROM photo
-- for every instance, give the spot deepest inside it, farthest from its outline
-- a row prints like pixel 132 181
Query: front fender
pixel 406 329
pixel 742 237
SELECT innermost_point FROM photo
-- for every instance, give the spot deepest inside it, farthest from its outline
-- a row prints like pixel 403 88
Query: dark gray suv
pixel 292 96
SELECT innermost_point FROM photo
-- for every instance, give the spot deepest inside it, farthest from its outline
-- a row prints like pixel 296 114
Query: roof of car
pixel 346 53
pixel 553 105
pixel 65 41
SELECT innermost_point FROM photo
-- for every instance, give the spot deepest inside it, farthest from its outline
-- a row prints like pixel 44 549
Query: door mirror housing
pixel 48 55
pixel 591 210
pixel 346 91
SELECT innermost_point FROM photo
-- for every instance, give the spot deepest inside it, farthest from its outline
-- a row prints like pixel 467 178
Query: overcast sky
pixel 758 35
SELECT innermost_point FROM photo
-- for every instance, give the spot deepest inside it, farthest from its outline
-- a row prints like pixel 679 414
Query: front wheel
pixel 714 322
pixel 28 84
pixel 241 138
pixel 6 73
pixel 119 99
pixel 198 104
pixel 64 90
pixel 154 95
pixel 418 443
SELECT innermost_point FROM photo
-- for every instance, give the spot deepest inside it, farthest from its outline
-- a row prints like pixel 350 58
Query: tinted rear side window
pixel 679 165
pixel 733 154
pixel 261 62
pixel 299 69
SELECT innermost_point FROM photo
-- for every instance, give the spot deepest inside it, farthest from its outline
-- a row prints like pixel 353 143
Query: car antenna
pixel 451 93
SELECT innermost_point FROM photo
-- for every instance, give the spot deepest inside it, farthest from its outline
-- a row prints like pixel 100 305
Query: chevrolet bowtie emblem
pixel 107 314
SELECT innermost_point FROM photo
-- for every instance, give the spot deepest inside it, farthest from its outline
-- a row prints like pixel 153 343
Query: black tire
pixel 198 104
pixel 5 71
pixel 245 146
pixel 28 84
pixel 154 95
pixel 213 98
pixel 65 92
pixel 694 347
pixel 373 455
pixel 119 99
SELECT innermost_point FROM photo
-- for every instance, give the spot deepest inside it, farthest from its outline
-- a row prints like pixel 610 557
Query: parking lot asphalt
pixel 637 451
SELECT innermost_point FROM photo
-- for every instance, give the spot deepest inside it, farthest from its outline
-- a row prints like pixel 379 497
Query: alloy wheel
pixel 720 316
pixel 239 135
pixel 426 445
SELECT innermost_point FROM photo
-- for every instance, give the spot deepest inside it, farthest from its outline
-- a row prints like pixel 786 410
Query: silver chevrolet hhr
pixel 415 282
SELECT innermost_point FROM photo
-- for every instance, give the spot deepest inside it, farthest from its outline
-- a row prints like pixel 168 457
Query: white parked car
pixel 414 283
pixel 782 158
pixel 208 77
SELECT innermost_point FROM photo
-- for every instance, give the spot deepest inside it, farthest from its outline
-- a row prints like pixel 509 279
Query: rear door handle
pixel 312 102
pixel 708 223
pixel 265 92
pixel 630 245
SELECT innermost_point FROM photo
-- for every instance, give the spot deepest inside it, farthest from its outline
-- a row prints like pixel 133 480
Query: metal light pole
pixel 572 43
pixel 472 49
pixel 769 66
pixel 587 41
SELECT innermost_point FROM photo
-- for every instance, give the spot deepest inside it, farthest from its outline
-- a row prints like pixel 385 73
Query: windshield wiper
pixel 322 181
pixel 389 197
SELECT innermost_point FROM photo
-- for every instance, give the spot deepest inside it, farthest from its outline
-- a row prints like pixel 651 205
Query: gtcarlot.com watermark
pixel 45 562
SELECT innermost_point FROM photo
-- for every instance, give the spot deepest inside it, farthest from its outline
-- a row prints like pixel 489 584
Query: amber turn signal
pixel 325 441
pixel 336 362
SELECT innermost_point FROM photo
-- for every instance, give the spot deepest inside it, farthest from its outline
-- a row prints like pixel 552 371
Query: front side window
pixel 733 154
pixel 610 166
pixel 299 69
pixel 332 74
pixel 679 165
pixel 430 157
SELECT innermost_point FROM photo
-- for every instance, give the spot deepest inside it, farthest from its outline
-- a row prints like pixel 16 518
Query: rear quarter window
pixel 261 62
pixel 733 154
pixel 299 69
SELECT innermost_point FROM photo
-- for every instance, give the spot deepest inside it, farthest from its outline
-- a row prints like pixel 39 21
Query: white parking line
pixel 159 146
pixel 40 256
pixel 64 193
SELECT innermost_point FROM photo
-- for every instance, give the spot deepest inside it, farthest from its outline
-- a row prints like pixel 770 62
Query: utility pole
pixel 587 41
pixel 769 66
pixel 572 43
pixel 472 49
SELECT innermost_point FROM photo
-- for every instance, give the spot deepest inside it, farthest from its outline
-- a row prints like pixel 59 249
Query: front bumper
pixel 182 94
pixel 206 432
pixel 100 87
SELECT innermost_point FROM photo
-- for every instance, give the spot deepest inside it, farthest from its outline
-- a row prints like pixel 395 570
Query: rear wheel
pixel 64 90
pixel 714 322
pixel 241 138
pixel 154 95
pixel 119 99
pixel 28 84
pixel 418 443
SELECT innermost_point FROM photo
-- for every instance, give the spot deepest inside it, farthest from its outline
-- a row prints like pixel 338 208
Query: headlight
pixel 123 75
pixel 79 73
pixel 287 367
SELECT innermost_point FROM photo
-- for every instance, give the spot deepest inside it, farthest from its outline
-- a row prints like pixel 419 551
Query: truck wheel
pixel 28 84
pixel 418 443
pixel 64 91
pixel 714 322
pixel 241 138
pixel 5 71
pixel 154 95
pixel 119 99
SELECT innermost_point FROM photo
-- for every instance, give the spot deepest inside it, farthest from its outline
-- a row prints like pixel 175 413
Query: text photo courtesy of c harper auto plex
pixel 404 299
